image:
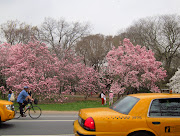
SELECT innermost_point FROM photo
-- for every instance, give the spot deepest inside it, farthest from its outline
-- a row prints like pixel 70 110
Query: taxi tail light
pixel 89 124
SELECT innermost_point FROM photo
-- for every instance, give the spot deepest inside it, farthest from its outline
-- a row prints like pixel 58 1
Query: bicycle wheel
pixel 35 112
pixel 17 112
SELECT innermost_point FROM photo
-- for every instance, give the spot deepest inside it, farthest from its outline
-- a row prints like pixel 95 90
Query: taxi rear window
pixel 124 105
pixel 165 107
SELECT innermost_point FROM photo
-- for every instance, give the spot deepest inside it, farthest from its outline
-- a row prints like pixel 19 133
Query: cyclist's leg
pixel 21 108
pixel 24 104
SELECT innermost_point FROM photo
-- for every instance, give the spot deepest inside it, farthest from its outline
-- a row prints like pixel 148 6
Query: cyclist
pixel 23 98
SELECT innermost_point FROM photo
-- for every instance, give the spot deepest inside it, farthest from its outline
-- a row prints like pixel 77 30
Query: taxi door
pixel 164 116
pixel 164 126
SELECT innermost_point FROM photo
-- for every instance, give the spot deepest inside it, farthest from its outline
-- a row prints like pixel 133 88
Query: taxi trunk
pixel 99 122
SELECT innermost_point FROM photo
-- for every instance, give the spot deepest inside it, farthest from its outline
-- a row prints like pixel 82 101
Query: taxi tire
pixel 141 134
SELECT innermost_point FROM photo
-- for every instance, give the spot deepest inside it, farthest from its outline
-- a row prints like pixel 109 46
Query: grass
pixel 71 106
pixel 75 106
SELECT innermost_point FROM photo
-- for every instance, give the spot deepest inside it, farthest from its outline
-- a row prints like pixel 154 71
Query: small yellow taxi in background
pixel 6 110
pixel 151 114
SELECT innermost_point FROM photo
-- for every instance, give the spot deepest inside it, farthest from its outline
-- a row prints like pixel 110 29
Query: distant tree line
pixel 161 34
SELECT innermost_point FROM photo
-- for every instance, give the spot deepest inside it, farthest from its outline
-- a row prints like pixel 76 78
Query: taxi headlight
pixel 8 107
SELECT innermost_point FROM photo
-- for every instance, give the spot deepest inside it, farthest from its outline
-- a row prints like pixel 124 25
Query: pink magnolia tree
pixel 74 75
pixel 134 67
pixel 33 65
pixel 89 82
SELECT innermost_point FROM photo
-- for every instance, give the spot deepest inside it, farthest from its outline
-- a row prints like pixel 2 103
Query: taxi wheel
pixel 141 134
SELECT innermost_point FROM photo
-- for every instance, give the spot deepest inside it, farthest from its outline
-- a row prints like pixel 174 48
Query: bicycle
pixel 33 111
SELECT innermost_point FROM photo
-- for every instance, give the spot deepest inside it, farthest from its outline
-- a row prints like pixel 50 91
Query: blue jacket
pixel 22 96
pixel 9 96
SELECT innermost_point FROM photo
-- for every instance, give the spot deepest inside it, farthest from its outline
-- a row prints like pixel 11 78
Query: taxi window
pixel 125 104
pixel 165 107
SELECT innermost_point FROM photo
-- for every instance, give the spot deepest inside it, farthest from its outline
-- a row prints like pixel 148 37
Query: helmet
pixel 26 87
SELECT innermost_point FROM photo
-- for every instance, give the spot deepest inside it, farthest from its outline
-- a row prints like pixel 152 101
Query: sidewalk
pixel 60 112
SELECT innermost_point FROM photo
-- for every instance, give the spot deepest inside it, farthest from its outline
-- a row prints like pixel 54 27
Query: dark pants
pixel 21 106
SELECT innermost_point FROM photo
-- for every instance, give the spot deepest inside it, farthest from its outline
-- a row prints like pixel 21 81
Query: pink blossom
pixel 133 66
pixel 33 65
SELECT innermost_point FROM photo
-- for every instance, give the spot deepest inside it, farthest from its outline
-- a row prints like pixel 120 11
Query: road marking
pixel 41 120
pixel 55 116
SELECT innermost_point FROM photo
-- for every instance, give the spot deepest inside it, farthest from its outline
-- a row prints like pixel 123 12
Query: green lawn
pixel 75 106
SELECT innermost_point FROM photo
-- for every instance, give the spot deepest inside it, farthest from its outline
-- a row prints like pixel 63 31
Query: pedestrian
pixel 111 97
pixel 102 98
pixel 23 99
pixel 30 94
pixel 12 99
pixel 9 95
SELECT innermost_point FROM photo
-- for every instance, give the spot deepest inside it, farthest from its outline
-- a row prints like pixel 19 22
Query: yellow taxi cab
pixel 150 114
pixel 6 110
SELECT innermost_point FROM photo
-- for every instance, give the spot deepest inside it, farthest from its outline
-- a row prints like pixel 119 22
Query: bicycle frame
pixel 31 106
pixel 34 111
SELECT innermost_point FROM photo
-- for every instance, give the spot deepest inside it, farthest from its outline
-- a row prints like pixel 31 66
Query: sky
pixel 105 16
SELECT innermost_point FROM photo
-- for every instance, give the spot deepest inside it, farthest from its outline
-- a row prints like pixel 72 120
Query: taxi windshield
pixel 125 104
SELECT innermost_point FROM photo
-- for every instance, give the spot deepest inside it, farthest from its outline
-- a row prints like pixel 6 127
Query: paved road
pixel 48 124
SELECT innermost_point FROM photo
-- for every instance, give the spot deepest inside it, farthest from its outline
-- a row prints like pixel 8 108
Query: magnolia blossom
pixel 175 82
pixel 48 77
pixel 132 66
